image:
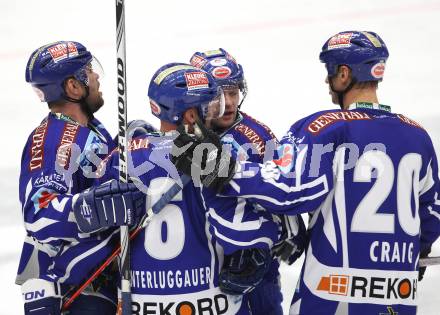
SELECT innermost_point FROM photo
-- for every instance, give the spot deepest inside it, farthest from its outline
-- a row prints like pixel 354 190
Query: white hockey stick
pixel 124 304
pixel 429 261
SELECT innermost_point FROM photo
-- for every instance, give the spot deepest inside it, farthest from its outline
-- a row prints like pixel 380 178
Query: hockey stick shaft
pixel 156 208
pixel 124 304
pixel 429 261
pixel 104 265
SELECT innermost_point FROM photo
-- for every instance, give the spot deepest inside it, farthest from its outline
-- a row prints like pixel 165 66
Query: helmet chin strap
pixel 342 93
pixel 243 89
pixel 85 108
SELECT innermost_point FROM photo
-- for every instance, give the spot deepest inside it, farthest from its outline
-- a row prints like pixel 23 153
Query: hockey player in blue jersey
pixel 59 161
pixel 249 139
pixel 176 260
pixel 371 179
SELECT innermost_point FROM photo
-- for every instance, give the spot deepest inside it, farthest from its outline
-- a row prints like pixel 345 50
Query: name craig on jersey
pixel 400 252
pixel 168 279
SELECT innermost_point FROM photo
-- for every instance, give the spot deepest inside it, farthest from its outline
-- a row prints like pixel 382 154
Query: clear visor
pixel 94 66
pixel 215 108
pixel 241 87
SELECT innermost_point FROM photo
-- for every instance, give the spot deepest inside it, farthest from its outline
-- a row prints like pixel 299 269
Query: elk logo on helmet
pixel 196 80
pixel 340 40
pixel 62 51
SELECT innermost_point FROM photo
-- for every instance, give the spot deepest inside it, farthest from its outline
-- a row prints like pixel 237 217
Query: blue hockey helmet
pixel 176 87
pixel 364 53
pixel 222 66
pixel 50 65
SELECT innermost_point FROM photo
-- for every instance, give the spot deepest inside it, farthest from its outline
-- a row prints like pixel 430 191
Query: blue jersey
pixel 371 179
pixel 249 139
pixel 59 159
pixel 176 259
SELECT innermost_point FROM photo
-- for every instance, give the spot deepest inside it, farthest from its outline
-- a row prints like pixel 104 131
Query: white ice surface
pixel 276 41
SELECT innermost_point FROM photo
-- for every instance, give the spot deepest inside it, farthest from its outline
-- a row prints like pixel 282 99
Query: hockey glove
pixel 244 270
pixel 204 158
pixel 293 238
pixel 47 302
pixel 423 254
pixel 108 205
pixel 139 127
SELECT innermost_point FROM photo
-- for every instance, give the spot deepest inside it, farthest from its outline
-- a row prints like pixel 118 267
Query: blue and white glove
pixel 293 239
pixel 110 204
pixel 139 127
pixel 41 297
pixel 243 270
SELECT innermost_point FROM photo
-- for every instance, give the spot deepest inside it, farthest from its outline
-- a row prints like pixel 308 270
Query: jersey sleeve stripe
pixel 242 226
pixel 263 240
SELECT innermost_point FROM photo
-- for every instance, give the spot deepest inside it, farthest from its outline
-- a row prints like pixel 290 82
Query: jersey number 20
pixel 366 218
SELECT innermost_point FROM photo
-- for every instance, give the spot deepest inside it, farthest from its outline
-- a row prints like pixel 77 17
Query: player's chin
pixel 97 104
pixel 225 122
pixel 229 117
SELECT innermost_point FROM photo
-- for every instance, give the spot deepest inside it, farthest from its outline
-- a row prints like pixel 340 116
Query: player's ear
pixel 190 116
pixel 73 88
pixel 344 74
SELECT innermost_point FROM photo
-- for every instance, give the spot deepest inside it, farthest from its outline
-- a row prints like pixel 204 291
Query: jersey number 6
pixel 165 235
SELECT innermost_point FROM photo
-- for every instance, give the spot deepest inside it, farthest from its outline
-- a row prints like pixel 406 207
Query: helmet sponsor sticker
pixel 210 53
pixel 221 72
pixel 155 108
pixel 373 39
pixel 198 61
pixel 35 56
pixel 378 70
pixel 340 40
pixel 158 80
pixel 63 51
pixel 196 80
pixel 218 62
